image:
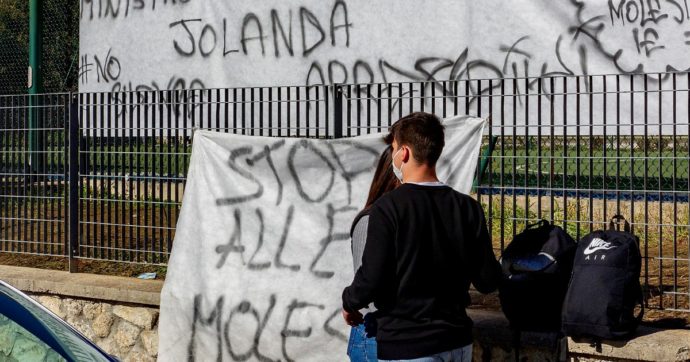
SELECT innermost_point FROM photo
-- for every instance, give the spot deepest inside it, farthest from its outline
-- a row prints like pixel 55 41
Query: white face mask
pixel 397 171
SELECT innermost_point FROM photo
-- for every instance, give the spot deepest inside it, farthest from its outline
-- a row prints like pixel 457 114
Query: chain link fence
pixel 59 24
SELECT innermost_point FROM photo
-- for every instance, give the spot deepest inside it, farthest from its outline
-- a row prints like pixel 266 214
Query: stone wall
pixel 127 332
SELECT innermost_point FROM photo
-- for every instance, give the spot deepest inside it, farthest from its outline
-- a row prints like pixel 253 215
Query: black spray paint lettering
pixel 192 40
pixel 214 318
pixel 85 67
pixel 334 164
pixel 262 227
pixel 222 327
pixel 649 40
pixel 362 66
pixel 107 69
pixel 332 331
pixel 225 46
pixel 266 153
pixel 349 175
pixel 312 20
pixel 304 144
pixel 335 67
pixel 643 12
pixel 111 9
pixel 253 32
pixel 315 68
pixel 259 33
pixel 179 98
pixel 234 154
pixel 234 245
pixel 653 24
pixel 276 24
pixel 203 39
pixel 283 241
pixel 433 69
pixel 245 307
pixel 647 37
pixel 339 73
pixel 114 9
pixel 287 332
pixel 340 9
pixel 208 38
pixel 330 237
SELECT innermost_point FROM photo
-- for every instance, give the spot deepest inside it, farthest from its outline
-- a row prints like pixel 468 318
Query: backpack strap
pixel 561 347
pixel 638 318
pixel 517 336
pixel 537 224
pixel 596 344
pixel 616 220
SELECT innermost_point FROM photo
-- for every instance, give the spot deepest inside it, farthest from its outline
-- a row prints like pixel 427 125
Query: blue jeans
pixel 462 354
pixel 362 345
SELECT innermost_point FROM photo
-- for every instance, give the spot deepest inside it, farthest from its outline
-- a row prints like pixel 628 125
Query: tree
pixel 60 45
pixel 14 46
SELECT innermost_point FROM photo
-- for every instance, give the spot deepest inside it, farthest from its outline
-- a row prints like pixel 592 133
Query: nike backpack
pixel 605 286
pixel 536 268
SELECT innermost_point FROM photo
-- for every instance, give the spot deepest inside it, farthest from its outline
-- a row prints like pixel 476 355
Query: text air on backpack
pixel 605 286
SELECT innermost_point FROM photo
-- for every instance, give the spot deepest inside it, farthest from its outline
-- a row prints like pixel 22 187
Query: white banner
pixel 178 44
pixel 262 248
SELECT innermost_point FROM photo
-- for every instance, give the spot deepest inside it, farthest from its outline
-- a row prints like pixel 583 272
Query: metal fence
pixel 33 174
pixel 573 149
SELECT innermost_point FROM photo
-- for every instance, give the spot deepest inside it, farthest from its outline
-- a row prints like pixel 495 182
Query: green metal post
pixel 35 83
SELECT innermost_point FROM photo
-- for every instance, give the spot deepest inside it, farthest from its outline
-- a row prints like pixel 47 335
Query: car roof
pixel 44 324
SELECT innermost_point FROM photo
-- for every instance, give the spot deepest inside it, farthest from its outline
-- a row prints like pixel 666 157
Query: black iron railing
pixel 576 150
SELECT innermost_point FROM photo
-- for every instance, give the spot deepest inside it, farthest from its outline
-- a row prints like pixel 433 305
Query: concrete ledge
pixel 493 340
pixel 90 286
pixel 650 344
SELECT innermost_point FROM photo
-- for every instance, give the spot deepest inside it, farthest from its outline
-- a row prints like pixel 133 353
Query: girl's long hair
pixel 384 181
pixel 384 178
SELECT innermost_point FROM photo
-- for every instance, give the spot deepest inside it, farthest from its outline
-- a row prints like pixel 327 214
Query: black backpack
pixel 605 287
pixel 536 266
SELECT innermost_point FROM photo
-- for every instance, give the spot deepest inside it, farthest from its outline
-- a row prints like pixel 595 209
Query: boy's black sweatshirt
pixel 425 245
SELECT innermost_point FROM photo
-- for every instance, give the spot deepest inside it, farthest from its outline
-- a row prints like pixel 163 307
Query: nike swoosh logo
pixel 596 245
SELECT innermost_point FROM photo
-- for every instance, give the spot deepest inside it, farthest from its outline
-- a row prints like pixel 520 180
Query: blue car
pixel 30 332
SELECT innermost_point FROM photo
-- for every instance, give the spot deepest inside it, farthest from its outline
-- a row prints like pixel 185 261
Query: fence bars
pixel 573 149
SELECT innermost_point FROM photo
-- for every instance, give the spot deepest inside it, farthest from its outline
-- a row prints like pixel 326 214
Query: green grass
pixel 587 162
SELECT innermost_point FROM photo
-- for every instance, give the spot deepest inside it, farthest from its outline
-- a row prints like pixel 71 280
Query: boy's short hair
pixel 421 131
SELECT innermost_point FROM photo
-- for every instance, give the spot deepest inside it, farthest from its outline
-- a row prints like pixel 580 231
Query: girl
pixel 362 344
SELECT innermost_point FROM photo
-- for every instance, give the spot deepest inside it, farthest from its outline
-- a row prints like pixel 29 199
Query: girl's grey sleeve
pixel 359 239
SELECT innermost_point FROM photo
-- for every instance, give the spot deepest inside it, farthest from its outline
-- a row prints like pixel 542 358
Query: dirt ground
pixel 116 238
pixel 83 265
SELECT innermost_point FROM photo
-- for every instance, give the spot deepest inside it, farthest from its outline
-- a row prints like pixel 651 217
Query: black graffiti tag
pixel 234 154
pixel 223 326
pixel 304 144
